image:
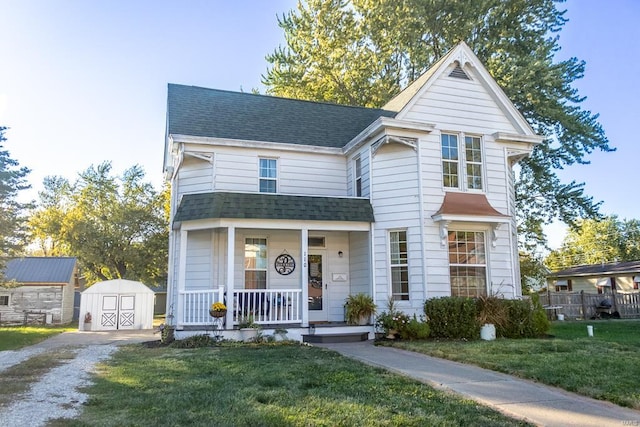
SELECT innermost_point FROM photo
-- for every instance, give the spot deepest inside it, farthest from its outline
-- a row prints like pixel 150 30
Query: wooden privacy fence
pixel 582 305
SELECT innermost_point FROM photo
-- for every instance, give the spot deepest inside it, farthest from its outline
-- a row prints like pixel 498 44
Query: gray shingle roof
pixel 630 267
pixel 40 269
pixel 272 206
pixel 216 113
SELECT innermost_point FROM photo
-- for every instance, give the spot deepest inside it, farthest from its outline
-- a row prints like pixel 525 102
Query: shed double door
pixel 118 312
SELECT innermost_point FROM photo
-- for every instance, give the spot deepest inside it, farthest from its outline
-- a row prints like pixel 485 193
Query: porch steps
pixel 336 338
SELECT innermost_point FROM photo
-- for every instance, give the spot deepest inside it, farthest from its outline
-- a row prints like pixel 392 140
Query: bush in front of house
pixel 452 317
pixel 461 318
pixel 415 329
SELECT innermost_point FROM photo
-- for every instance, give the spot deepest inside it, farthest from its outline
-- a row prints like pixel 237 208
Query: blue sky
pixel 85 81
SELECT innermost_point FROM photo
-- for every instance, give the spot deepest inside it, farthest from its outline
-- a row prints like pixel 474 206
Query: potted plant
pixel 248 328
pixel 359 309
pixel 218 309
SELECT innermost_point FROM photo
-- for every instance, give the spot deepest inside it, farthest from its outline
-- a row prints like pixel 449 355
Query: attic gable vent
pixel 459 73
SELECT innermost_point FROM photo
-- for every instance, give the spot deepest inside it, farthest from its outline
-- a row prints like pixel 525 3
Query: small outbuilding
pixel 38 289
pixel 116 304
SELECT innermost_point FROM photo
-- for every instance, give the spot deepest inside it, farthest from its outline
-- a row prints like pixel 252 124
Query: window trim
pixel 266 267
pixel 400 266
pixel 357 176
pixel 261 178
pixel 8 297
pixel 486 258
pixel 462 162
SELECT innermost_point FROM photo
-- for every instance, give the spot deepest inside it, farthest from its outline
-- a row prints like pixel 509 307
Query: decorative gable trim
pixel 463 55
pixel 387 139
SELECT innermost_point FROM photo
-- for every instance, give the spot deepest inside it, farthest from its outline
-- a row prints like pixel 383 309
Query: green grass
pixel 15 337
pixel 264 385
pixel 605 366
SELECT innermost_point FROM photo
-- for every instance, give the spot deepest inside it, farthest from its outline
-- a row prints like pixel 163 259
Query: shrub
pixel 195 341
pixel 452 317
pixel 415 329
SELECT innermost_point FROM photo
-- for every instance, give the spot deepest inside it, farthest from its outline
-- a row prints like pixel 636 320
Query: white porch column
pixel 304 275
pixel 231 250
pixel 182 278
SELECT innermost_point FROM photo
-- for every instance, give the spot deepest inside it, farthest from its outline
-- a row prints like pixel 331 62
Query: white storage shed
pixel 116 304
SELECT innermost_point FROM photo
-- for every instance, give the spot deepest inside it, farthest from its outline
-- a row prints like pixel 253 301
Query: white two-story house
pixel 287 206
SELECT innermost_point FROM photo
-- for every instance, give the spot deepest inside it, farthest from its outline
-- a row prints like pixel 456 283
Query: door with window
pixel 317 287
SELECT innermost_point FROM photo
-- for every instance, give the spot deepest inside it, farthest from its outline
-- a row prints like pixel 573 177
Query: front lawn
pixel 605 366
pixel 265 385
pixel 15 337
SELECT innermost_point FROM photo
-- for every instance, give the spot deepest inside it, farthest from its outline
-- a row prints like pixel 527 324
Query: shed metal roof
pixel 40 269
pixel 272 206
pixel 203 112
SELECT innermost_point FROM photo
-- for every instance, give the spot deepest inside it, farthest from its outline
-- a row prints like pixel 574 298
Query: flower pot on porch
pixel 248 334
pixel 218 313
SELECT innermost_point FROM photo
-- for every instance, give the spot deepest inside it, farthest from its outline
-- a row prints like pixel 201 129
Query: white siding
pixel 199 271
pixel 396 205
pixel 359 269
pixel 195 176
pixel 298 173
pixel 454 103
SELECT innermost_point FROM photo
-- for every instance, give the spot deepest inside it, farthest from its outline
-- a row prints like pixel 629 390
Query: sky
pixel 82 82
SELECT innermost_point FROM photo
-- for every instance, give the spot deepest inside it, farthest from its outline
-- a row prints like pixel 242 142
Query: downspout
pixel 372 257
pixel 171 280
pixel 422 232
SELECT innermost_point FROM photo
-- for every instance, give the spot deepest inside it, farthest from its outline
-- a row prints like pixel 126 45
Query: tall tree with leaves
pixel 116 226
pixel 12 211
pixel 597 241
pixel 363 52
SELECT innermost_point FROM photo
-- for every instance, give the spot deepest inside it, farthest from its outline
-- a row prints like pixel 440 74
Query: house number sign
pixel 285 264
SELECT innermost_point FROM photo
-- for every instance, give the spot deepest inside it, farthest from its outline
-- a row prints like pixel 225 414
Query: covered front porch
pixel 276 272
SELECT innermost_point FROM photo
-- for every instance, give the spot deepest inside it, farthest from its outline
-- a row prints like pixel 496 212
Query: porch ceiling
pixel 272 206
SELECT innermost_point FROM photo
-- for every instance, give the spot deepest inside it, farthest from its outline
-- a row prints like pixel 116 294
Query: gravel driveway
pixel 56 395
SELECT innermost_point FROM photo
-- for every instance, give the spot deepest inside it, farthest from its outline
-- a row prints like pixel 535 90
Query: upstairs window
pixel 399 265
pixel 450 160
pixel 461 165
pixel 473 157
pixel 268 175
pixel 357 167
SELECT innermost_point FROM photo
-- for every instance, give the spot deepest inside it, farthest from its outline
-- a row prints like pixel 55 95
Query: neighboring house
pixel 597 278
pixel 43 289
pixel 286 207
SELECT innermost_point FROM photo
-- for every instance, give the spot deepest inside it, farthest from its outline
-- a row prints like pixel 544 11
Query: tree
pixel 12 218
pixel 116 226
pixel 598 241
pixel 363 52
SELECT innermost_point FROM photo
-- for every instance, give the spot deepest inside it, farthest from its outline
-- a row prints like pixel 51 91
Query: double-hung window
pixel 268 175
pixel 357 166
pixel 255 263
pixel 467 263
pixel 399 265
pixel 460 161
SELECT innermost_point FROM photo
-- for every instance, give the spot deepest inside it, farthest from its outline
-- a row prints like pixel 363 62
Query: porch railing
pixel 265 306
pixel 195 305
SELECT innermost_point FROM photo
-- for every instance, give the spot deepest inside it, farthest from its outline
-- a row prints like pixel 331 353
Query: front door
pixel 317 288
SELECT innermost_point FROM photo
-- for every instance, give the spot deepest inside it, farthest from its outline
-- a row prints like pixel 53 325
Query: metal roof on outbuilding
pixel 272 206
pixel 197 111
pixel 40 269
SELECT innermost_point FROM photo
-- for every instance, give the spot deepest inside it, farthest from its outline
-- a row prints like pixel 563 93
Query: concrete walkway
pixel 85 338
pixel 522 399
